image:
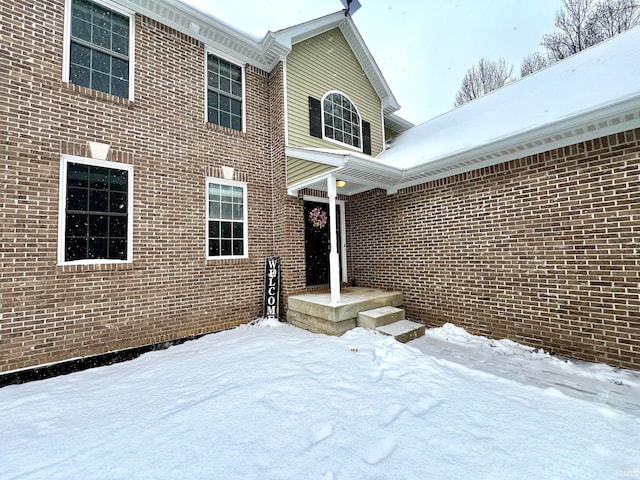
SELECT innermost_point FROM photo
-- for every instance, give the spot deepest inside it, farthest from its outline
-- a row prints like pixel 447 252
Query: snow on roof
pixel 602 76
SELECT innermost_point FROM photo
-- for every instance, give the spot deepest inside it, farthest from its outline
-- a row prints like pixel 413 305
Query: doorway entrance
pixel 317 243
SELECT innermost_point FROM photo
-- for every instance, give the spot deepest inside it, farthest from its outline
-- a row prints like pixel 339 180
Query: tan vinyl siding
pixel 298 170
pixel 319 65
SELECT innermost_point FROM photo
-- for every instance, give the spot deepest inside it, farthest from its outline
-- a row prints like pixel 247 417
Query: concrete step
pixel 380 316
pixel 403 330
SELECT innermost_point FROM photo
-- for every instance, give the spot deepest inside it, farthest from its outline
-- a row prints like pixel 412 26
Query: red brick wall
pixel 544 250
pixel 50 313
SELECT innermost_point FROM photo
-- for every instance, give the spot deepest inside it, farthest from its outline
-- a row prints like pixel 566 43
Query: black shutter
pixel 315 118
pixel 366 137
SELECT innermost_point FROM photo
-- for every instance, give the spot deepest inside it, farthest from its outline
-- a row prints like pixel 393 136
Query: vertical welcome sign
pixel 272 288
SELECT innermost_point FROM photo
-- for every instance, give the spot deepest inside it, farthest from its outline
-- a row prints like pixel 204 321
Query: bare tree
pixel 532 63
pixel 482 78
pixel 615 16
pixel 581 24
pixel 575 30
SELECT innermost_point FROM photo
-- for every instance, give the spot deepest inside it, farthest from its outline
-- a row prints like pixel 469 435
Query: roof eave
pixel 607 120
pixel 263 54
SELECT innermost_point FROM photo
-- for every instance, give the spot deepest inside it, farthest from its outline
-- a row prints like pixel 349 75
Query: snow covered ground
pixel 270 401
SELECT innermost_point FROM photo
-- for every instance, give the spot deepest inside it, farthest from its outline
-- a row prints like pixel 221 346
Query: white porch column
pixel 334 259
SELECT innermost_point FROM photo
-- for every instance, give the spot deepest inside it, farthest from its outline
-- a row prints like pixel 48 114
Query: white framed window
pixel 226 214
pixel 99 46
pixel 341 120
pixel 95 212
pixel 225 95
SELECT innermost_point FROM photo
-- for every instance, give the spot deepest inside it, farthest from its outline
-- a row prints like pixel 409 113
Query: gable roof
pixel 298 33
pixel 589 95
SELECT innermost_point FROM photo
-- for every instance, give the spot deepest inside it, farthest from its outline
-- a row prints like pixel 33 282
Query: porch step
pixel 403 330
pixel 380 316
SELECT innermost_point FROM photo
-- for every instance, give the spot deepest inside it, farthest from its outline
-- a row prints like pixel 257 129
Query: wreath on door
pixel 318 218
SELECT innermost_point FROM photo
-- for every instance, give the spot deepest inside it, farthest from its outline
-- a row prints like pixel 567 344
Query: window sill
pixel 227 261
pixel 93 267
pixel 229 131
pixel 104 97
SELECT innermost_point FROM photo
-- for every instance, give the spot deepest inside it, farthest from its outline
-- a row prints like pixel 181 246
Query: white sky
pixel 423 47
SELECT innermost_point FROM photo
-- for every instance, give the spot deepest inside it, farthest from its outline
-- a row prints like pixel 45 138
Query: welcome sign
pixel 272 288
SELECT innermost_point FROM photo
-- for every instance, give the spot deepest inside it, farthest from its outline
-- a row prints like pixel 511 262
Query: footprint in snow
pixel 390 413
pixel 379 451
pixel 424 405
pixel 317 433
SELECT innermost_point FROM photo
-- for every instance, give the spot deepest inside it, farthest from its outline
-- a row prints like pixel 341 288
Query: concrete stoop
pixel 391 321
pixel 314 312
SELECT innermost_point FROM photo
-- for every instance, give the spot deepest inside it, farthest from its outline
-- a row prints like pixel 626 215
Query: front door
pixel 317 244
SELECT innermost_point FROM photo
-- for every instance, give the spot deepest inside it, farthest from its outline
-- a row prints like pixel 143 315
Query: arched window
pixel 341 120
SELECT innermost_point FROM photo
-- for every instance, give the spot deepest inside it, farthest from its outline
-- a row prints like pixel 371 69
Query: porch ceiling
pixel 354 168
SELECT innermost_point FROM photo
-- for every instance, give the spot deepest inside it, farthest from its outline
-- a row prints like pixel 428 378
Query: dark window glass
pixel 99 56
pixel 96 213
pixel 224 95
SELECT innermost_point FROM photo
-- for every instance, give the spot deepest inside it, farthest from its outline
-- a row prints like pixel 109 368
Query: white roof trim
pixel 372 173
pixel 264 54
pixel 298 33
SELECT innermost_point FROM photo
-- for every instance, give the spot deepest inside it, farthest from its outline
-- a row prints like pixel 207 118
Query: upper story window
pixel 341 120
pixel 95 211
pixel 99 47
pixel 227 229
pixel 225 92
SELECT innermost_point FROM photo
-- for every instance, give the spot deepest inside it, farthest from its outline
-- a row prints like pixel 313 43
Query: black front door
pixel 317 241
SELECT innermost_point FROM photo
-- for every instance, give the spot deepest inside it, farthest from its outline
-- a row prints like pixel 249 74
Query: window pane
pixel 214 229
pixel 118 202
pixel 80 55
pixel 225 84
pixel 225 119
pixel 80 76
pixel 100 81
pixel 226 211
pixel 237 212
pixel 102 37
pixel 236 123
pixel 214 209
pixel 82 9
pixel 214 247
pixel 117 249
pixel 119 68
pixel 76 249
pixel 98 177
pixel 238 247
pixel 97 248
pixel 76 225
pixel 118 226
pixel 77 198
pixel 238 230
pixel 100 61
pixel 225 247
pixel 225 104
pixel 98 201
pixel 119 87
pixel 226 193
pixel 235 107
pixel 98 225
pixel 225 229
pixel 77 175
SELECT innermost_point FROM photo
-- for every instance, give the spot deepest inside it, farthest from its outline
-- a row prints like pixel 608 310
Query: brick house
pixel 155 157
